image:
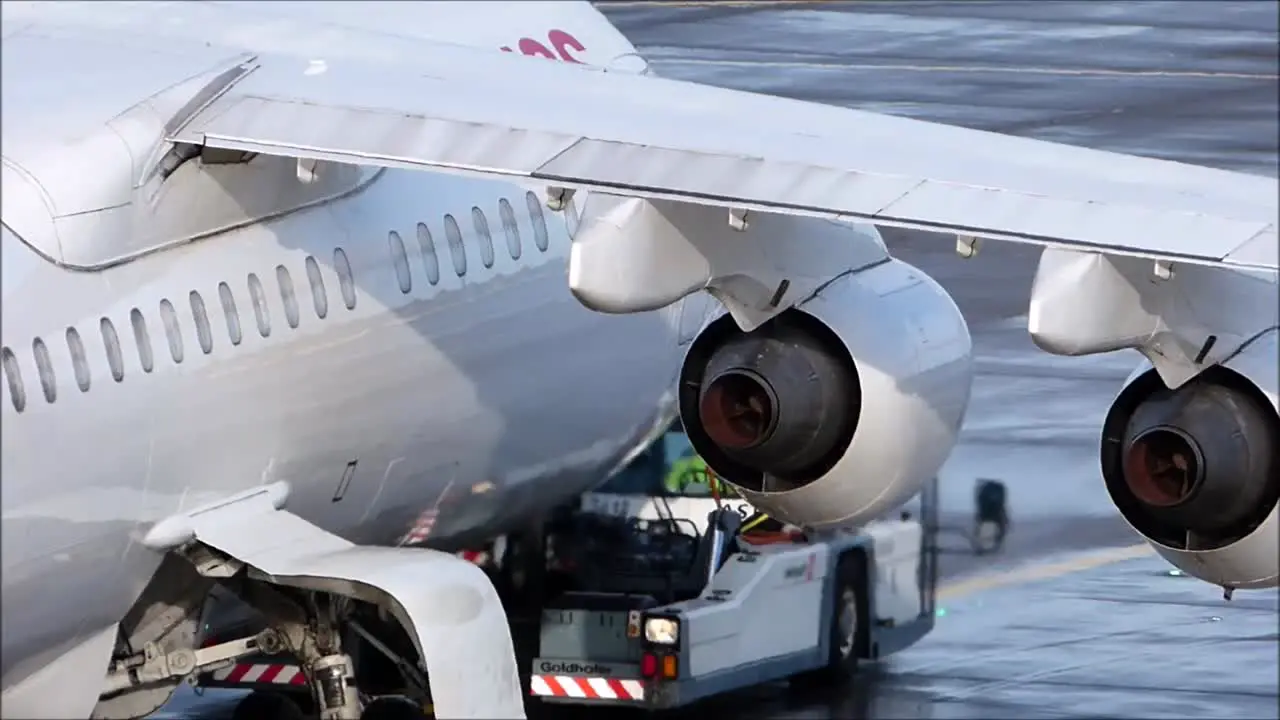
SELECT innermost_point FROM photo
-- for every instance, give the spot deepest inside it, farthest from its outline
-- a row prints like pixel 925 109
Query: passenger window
pixel 79 359
pixel 453 236
pixel 44 366
pixel 400 260
pixel 346 282
pixel 229 312
pixel 143 338
pixel 318 296
pixel 509 228
pixel 204 333
pixel 17 393
pixel 172 330
pixel 483 236
pixel 430 262
pixel 539 222
pixel 111 343
pixel 258 297
pixel 287 296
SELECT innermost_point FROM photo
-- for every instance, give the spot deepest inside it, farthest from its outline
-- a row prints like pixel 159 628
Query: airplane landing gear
pixel 339 611
pixel 308 625
pixel 333 680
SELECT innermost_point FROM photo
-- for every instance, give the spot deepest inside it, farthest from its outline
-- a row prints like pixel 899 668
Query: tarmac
pixel 1075 618
pixel 1098 635
pixel 1103 630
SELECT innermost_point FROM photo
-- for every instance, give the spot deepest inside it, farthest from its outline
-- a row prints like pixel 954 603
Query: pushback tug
pixel 664 615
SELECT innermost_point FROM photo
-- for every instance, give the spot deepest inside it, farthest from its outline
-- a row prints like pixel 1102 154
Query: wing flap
pixel 923 204
pixel 494 115
pixel 724 179
pixel 376 137
pixel 1263 251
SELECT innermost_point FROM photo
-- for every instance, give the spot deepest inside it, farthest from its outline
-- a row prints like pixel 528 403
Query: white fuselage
pixel 482 390
pixel 490 394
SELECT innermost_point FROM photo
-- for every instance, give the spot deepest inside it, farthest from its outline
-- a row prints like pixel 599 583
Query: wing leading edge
pixel 497 115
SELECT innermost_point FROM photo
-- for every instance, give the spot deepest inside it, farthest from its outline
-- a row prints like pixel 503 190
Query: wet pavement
pixel 1129 640
pixel 1193 82
pixel 1025 633
pixel 1125 639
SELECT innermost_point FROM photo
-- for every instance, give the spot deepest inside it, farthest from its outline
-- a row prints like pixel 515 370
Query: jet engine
pixel 836 411
pixel 1196 470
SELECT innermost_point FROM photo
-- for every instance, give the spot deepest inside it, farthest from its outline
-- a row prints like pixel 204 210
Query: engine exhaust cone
pixel 737 411
pixel 1162 467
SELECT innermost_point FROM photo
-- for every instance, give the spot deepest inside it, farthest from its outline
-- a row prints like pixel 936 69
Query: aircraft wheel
pixel 848 632
pixel 259 705
pixel 393 707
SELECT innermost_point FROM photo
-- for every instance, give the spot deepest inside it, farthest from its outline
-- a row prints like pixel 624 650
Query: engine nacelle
pixel 839 410
pixel 1196 471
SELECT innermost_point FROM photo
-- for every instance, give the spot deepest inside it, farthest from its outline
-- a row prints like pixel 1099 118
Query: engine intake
pixel 1193 468
pixel 781 401
pixel 837 411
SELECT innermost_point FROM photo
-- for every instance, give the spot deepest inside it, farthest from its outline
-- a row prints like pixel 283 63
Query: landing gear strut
pixel 308 625
pixel 334 683
pixel 430 612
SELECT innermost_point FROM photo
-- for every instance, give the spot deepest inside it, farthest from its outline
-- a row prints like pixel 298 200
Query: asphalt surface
pixel 1186 81
pixel 1039 630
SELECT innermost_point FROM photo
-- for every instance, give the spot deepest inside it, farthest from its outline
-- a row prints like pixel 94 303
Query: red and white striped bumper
pixel 586 688
pixel 260 674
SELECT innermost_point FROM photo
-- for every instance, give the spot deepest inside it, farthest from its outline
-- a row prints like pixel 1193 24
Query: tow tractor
pixel 664 613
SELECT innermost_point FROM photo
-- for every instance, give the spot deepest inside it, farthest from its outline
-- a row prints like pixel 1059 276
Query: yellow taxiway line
pixel 1030 573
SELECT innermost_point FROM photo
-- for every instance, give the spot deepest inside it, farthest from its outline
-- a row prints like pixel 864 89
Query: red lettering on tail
pixel 561 41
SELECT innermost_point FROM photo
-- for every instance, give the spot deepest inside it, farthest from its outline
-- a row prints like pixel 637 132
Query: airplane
pixel 292 290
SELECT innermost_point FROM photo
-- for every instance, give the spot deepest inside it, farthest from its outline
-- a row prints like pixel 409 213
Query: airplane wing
pixel 500 115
